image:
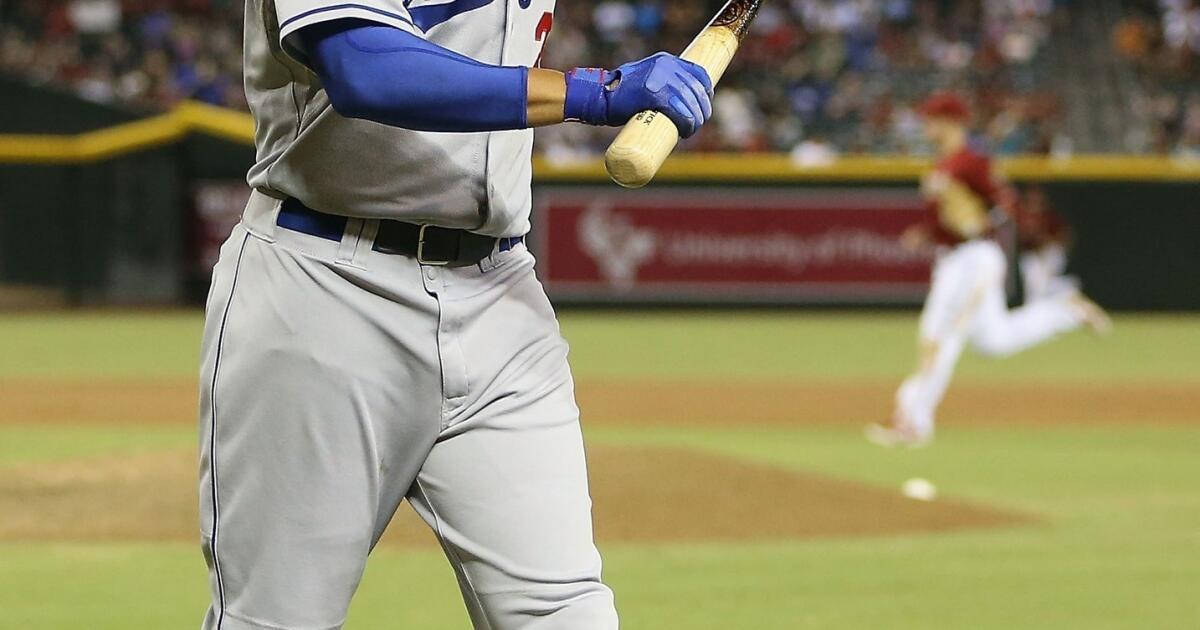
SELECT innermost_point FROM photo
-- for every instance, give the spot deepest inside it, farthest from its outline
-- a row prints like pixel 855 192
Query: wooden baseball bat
pixel 648 140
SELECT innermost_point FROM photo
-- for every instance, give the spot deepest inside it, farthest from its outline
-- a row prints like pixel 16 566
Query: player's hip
pixel 381 246
pixel 962 278
pixel 337 281
pixel 977 255
pixel 287 300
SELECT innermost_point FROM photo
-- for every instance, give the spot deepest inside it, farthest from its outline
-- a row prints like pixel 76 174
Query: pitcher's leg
pixel 920 395
pixel 293 481
pixel 1044 273
pixel 953 301
pixel 1055 258
pixel 1035 275
pixel 1000 332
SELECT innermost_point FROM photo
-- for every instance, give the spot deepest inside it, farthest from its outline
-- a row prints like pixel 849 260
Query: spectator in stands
pixel 813 73
pixel 829 72
pixel 135 53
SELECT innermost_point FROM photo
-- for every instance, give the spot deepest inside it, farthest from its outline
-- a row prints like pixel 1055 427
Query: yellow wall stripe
pixel 751 169
pixel 95 146
pixel 189 118
pixel 223 123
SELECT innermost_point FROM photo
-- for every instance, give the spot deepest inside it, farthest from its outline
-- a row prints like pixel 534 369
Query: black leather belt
pixel 430 245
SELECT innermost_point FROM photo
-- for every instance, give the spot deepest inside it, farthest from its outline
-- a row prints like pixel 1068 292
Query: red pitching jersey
pixel 969 173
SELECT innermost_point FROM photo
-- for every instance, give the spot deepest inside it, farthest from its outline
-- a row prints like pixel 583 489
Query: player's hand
pixel 663 83
pixel 679 89
pixel 934 185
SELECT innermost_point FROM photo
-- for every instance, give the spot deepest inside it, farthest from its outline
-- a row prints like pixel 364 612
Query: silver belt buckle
pixel 421 251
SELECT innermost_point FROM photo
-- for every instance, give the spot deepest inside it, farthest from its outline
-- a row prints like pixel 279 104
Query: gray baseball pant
pixel 337 382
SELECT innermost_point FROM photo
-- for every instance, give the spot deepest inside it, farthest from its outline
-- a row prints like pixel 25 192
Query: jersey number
pixel 543 31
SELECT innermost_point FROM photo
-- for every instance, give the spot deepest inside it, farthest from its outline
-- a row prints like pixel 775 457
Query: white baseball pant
pixel 1043 272
pixel 338 381
pixel 967 303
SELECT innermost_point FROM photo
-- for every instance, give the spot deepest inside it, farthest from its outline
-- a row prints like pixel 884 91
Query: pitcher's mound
pixel 642 494
pixel 655 494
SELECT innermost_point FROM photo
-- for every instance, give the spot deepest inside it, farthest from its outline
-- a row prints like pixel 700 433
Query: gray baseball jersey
pixel 474 181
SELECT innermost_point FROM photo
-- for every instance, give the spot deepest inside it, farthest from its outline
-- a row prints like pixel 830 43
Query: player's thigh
pixel 299 391
pixel 1055 258
pixel 506 486
pixel 962 282
pixel 513 512
pixel 949 288
pixel 991 324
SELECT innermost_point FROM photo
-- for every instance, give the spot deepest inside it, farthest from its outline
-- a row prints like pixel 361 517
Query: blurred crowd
pixel 816 77
pixel 145 54
pixel 820 77
pixel 1160 41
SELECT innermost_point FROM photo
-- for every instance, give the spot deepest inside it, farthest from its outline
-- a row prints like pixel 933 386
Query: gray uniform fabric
pixel 474 181
pixel 337 381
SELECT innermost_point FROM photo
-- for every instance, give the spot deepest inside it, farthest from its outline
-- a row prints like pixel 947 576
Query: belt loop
pixel 262 211
pixel 491 261
pixel 347 253
pixel 366 244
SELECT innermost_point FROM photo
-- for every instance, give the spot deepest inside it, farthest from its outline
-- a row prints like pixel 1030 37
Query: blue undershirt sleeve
pixel 393 77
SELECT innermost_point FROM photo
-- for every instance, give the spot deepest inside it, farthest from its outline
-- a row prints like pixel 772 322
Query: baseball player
pixel 375 331
pixel 1043 238
pixel 967 301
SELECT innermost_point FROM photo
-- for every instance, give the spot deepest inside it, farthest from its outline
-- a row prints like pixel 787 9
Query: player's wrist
pixel 587 96
pixel 546 91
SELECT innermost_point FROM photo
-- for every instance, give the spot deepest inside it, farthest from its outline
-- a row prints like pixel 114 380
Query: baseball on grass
pixel 919 489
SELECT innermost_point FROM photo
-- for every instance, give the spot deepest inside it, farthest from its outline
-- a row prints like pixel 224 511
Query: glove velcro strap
pixel 587 100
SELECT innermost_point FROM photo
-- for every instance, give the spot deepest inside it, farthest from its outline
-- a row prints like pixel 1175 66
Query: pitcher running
pixel 967 302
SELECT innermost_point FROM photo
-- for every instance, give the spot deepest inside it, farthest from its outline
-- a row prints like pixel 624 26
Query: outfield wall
pixel 832 240
pixel 132 213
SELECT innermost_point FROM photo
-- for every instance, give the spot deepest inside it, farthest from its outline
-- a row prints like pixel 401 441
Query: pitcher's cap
pixel 945 105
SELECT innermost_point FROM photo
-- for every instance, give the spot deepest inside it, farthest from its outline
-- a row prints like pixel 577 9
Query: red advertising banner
pixel 730 245
pixel 218 207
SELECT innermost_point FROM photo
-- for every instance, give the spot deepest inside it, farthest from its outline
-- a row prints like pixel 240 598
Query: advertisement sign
pixel 218 207
pixel 730 245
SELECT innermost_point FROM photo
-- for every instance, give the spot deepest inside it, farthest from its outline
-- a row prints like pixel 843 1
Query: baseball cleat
pixel 889 436
pixel 1092 316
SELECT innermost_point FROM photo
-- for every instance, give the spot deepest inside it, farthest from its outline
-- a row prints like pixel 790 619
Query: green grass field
pixel 1113 540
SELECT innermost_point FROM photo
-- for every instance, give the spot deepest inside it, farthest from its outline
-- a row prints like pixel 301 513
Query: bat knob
pixel 629 166
pixel 640 149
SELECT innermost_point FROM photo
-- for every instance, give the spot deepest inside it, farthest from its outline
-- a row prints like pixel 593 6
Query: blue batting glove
pixel 679 89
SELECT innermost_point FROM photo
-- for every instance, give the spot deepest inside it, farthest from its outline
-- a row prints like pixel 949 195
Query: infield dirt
pixel 667 403
pixel 641 495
